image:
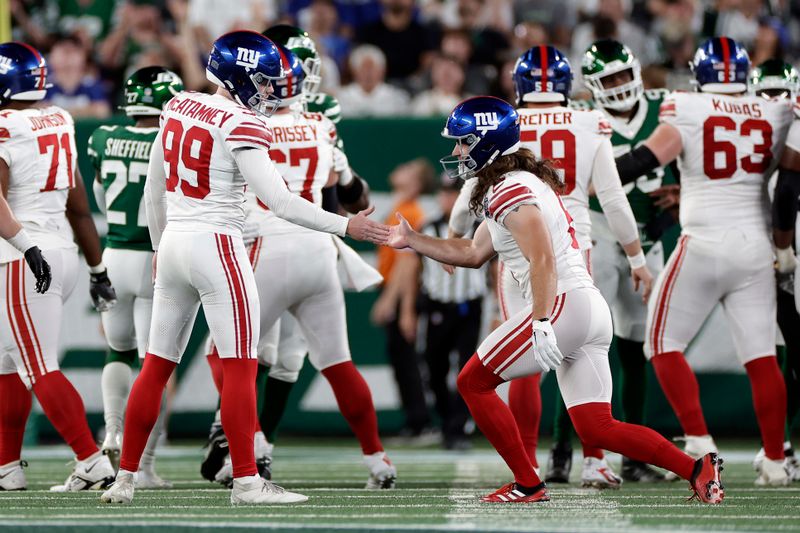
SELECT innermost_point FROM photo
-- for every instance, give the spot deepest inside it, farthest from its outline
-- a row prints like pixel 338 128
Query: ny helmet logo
pixel 6 64
pixel 486 122
pixel 247 58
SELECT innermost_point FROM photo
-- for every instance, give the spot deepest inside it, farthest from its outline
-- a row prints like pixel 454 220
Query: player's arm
pixel 470 253
pixel 661 148
pixel 155 193
pixel 461 217
pixel 408 267
pixel 260 173
pixel 99 192
pixel 80 218
pixel 619 215
pixel 784 208
pixel 352 190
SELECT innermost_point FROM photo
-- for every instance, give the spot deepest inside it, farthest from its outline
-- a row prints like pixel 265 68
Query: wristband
pixel 346 176
pixel 99 268
pixel 545 319
pixel 21 241
pixel 637 261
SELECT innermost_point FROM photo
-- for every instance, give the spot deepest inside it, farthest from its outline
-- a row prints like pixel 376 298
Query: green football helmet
pixel 774 79
pixel 299 42
pixel 148 89
pixel 605 58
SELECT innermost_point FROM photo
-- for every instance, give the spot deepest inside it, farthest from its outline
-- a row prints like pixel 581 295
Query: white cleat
pixel 121 491
pixel 792 465
pixel 94 473
pixel 255 490
pixel 12 477
pixel 382 473
pixel 148 479
pixel 772 474
pixel 697 447
pixel 598 474
pixel 111 447
pixel 225 474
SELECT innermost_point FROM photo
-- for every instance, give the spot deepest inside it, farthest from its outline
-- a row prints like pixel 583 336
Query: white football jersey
pixel 570 138
pixel 523 188
pixel 302 150
pixel 730 143
pixel 38 145
pixel 199 134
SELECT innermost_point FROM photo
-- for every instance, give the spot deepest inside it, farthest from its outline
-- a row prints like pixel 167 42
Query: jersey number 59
pixel 566 162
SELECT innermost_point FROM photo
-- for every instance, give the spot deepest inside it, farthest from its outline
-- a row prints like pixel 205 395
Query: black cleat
pixel 559 464
pixel 264 465
pixel 216 451
pixel 638 471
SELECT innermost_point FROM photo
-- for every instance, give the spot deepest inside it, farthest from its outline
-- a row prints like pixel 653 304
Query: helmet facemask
pixel 622 97
pixel 264 102
pixel 461 165
pixel 312 66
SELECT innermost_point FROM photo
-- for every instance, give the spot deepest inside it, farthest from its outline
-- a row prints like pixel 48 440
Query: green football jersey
pixel 120 156
pixel 327 105
pixel 627 135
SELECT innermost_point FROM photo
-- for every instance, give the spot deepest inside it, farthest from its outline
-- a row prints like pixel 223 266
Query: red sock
pixel 680 387
pixel 769 400
pixel 477 385
pixel 144 405
pixel 596 427
pixel 591 451
pixel 216 368
pixel 238 411
pixel 355 403
pixel 525 402
pixel 15 405
pixel 63 406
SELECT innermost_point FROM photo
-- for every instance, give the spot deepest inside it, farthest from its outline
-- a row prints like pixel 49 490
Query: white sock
pixel 260 444
pixel 148 460
pixel 116 385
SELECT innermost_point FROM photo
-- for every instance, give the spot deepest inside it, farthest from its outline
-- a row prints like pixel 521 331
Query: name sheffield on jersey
pixel 128 149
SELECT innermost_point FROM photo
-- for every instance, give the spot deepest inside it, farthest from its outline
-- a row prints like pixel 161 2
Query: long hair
pixel 522 159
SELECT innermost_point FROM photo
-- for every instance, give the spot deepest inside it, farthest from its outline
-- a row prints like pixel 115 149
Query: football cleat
pixel 772 474
pixel 254 490
pixel 382 473
pixel 225 474
pixel 146 478
pixel 12 476
pixel 598 474
pixel 216 451
pixel 706 482
pixel 509 493
pixel 559 464
pixel 696 447
pixel 792 465
pixel 121 491
pixel 638 471
pixel 94 473
pixel 264 459
pixel 111 447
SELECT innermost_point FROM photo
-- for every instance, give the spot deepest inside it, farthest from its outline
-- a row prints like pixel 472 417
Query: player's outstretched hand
pixel 362 228
pixel 400 233
pixel 104 297
pixel 39 267
pixel 450 269
pixel 667 196
pixel 642 277
pixel 545 348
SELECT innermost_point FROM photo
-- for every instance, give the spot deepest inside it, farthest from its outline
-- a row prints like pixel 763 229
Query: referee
pixel 452 304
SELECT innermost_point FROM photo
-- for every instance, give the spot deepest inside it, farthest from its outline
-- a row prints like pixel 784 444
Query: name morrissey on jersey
pixel 47 121
pixel 198 111
pixel 290 134
pixel 735 108
pixel 128 149
pixel 540 119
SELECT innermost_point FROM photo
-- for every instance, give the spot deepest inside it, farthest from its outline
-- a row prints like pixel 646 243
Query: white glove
pixel 545 349
pixel 787 261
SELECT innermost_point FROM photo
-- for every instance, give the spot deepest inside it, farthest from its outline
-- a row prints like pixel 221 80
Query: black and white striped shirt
pixel 463 285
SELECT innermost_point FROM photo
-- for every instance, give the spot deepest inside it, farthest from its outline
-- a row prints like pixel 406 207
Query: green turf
pixel 436 491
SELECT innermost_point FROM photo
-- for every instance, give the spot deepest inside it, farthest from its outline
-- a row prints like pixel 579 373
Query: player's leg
pixel 440 338
pixel 684 295
pixel 789 322
pixel 15 406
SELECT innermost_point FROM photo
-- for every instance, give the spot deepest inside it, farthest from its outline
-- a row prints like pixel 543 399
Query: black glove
pixel 103 294
pixel 39 267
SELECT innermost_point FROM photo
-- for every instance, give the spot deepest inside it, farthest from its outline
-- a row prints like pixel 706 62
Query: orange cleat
pixel 509 493
pixel 706 481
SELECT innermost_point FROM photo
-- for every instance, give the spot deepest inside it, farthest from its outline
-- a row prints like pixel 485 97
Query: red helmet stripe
pixel 288 67
pixel 544 65
pixel 726 57
pixel 39 58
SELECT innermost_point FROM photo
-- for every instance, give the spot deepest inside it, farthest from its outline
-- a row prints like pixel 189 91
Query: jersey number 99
pixel 192 149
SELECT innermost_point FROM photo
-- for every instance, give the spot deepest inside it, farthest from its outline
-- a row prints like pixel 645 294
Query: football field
pixel 437 491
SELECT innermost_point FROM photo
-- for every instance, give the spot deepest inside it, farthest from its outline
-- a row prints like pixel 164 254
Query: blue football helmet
pixel 720 65
pixel 23 73
pixel 488 127
pixel 246 63
pixel 542 74
pixel 290 88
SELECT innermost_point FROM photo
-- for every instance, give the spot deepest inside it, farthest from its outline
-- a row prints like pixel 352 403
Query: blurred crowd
pixel 387 57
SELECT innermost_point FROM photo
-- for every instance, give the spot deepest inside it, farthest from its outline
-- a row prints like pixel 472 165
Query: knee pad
pixel 287 367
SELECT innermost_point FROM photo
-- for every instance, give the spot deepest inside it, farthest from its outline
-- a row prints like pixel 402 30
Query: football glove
pixel 545 349
pixel 786 260
pixel 103 294
pixel 40 268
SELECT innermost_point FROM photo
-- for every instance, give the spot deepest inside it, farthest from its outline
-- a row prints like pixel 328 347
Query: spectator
pixel 211 18
pixel 407 44
pixel 75 88
pixel 447 77
pixel 458 44
pixel 369 94
pixel 408 182
pixel 530 34
pixel 88 20
pixel 452 304
pixel 503 86
pixel 554 17
pixel 488 45
pixel 321 21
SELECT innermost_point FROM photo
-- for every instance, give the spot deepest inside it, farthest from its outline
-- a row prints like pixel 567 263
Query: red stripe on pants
pixel 229 279
pixel 248 333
